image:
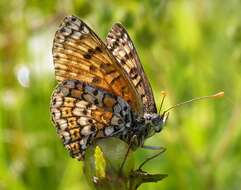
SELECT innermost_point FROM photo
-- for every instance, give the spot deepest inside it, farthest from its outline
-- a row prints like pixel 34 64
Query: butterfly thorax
pixel 143 128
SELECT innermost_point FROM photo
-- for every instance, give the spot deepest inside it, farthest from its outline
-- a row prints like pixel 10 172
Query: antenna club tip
pixel 163 93
pixel 219 94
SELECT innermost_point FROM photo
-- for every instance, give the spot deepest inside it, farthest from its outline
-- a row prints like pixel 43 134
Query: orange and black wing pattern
pixel 79 54
pixel 101 89
pixel 82 113
pixel 119 43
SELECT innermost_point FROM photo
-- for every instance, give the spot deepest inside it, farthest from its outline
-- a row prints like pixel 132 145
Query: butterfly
pixel 102 89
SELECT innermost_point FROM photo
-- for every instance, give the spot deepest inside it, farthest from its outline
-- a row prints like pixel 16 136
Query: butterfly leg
pixel 162 150
pixel 117 132
pixel 127 152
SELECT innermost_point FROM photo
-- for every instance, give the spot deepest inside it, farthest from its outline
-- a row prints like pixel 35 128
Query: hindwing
pixel 82 113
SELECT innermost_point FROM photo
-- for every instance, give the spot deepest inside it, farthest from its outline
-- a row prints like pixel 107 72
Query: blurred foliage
pixel 188 48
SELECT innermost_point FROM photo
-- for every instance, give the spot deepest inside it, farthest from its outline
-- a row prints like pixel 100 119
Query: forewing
pixel 79 54
pixel 121 46
pixel 82 113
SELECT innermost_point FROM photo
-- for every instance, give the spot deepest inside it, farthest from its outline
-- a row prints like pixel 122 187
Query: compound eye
pixel 156 121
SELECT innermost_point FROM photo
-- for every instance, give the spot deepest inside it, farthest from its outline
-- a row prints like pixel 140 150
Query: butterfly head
pixel 155 122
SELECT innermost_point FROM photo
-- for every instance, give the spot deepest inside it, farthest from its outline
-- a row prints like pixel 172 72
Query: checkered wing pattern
pixel 82 113
pixel 119 43
pixel 101 87
pixel 79 54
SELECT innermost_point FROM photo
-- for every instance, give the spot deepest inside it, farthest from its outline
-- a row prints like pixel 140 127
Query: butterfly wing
pixel 79 54
pixel 119 43
pixel 82 113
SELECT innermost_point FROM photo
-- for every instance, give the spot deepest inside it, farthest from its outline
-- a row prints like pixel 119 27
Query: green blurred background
pixel 188 48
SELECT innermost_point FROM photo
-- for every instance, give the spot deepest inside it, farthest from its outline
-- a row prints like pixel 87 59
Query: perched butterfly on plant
pixel 102 89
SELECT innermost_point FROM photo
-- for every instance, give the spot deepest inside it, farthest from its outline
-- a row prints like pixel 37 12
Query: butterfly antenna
pixel 217 95
pixel 163 93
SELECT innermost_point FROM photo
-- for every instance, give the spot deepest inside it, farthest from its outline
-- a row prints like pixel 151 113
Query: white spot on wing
pixel 122 53
pixel 130 45
pixel 86 130
pixel 66 31
pixel 76 35
pixel 73 26
pixel 85 30
pixel 56 114
pixel 62 124
pixel 81 104
pixel 109 131
pixel 125 37
pixel 83 121
pixel 66 136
